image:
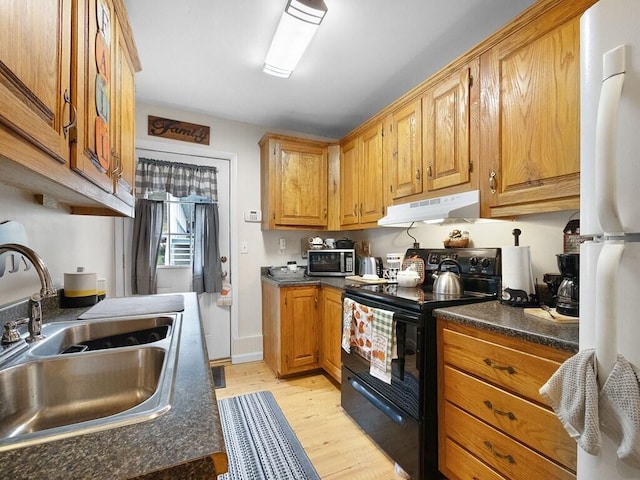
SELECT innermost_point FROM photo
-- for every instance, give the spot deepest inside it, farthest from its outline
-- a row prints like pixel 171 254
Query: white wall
pixel 64 242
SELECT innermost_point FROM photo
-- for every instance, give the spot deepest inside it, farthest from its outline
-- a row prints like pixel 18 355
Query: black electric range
pixel 401 416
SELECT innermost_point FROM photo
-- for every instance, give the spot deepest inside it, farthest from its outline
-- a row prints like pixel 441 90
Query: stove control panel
pixel 473 261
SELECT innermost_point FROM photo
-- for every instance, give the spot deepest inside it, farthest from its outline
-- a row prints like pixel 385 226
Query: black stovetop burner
pixel 480 273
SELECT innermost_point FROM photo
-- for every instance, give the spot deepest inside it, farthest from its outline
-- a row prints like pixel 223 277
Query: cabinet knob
pixel 429 174
pixel 417 174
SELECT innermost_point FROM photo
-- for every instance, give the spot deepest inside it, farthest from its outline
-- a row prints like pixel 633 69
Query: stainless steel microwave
pixel 334 262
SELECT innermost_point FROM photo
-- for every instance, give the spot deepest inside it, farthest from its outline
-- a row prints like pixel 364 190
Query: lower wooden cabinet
pixel 492 422
pixel 330 345
pixel 302 328
pixel 291 328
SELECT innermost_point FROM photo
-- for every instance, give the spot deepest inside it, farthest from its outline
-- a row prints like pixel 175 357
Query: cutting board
pixel 560 318
pixel 357 278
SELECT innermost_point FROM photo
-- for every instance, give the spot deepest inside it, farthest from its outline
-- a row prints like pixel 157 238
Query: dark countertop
pixel 491 316
pixel 511 321
pixel 336 282
pixel 182 443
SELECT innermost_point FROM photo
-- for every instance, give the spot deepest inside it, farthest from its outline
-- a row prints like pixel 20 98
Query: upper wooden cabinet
pixel 530 129
pixel 361 186
pixel 67 98
pixel 405 150
pixel 349 190
pixel 104 87
pixel 35 85
pixel 123 120
pixel 294 183
pixel 92 86
pixel 450 131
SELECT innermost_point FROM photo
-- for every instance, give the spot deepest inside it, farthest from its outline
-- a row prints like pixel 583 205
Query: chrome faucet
pixel 35 308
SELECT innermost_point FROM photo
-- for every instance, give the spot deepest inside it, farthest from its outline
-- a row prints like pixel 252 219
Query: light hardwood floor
pixel 336 446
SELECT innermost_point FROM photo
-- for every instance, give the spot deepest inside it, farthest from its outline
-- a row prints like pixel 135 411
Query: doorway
pixel 216 318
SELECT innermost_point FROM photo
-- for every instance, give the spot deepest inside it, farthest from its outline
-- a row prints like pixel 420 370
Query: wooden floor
pixel 336 446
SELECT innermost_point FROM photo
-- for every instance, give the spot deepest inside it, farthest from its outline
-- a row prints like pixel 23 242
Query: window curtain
pixel 178 179
pixel 207 268
pixel 147 230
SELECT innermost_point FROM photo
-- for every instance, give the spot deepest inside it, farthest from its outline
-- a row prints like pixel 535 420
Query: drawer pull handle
pixel 509 415
pixel 496 454
pixel 509 369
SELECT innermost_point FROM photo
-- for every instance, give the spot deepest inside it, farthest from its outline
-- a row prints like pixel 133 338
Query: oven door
pixel 390 414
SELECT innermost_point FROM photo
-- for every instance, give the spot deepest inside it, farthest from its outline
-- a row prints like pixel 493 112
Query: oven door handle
pixel 384 407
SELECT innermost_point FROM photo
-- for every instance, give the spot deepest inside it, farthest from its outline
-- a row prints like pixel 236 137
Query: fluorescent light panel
pixel 297 26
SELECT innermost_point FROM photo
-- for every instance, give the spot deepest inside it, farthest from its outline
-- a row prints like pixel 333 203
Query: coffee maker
pixel 568 290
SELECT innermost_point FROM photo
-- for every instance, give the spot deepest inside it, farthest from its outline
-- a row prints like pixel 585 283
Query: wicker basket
pixel 456 242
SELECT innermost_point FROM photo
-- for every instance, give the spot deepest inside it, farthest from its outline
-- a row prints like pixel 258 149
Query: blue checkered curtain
pixel 178 179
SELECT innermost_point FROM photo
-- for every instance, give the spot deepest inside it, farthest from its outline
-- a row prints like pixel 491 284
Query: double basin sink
pixel 87 376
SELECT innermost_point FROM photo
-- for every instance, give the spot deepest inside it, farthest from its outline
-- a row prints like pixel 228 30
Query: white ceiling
pixel 206 56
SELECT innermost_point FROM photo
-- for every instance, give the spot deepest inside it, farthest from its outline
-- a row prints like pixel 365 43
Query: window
pixel 177 239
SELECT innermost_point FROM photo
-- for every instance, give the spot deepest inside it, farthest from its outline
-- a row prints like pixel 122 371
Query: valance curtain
pixel 178 179
pixel 147 229
pixel 207 268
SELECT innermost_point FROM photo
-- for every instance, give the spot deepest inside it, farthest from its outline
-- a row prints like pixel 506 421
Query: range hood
pixel 463 206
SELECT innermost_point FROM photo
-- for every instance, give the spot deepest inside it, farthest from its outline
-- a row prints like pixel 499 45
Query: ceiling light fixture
pixel 297 26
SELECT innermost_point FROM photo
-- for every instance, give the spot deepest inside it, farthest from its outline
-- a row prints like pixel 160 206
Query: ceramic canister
pixel 80 289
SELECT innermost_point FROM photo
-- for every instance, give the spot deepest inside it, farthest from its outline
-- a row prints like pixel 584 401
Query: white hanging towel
pixel 573 394
pixel 383 344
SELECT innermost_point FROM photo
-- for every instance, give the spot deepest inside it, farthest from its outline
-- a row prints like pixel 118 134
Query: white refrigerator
pixel 610 202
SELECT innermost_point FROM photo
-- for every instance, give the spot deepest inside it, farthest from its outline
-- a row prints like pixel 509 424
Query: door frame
pixel 122 282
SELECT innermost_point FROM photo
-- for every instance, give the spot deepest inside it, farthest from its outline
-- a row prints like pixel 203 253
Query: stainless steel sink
pixel 45 395
pixel 102 334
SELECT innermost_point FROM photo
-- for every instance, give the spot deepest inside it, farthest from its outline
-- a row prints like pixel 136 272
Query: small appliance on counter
pixel 331 262
pixel 80 289
pixel 370 266
pixel 568 296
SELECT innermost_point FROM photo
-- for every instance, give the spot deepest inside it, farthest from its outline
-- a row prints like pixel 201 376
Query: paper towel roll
pixel 517 275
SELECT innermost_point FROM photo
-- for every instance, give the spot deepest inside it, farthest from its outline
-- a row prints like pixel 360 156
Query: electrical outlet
pixel 282 245
pixel 244 247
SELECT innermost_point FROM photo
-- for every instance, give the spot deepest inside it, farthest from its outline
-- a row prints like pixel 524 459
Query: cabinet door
pixel 35 53
pixel 301 185
pixel 405 164
pixel 331 332
pixel 446 120
pixel 349 173
pixel 123 120
pixel 530 119
pixel 300 328
pixel 370 173
pixel 93 87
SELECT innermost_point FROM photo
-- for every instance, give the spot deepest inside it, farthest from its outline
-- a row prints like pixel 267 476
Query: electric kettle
pixel 447 282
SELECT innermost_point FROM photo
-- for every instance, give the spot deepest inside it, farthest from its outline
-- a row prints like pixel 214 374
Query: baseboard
pixel 247 357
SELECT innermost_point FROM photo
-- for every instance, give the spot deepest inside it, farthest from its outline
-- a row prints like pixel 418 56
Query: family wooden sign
pixel 177 130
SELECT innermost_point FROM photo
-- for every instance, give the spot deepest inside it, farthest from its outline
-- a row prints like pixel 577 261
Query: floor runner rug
pixel 260 442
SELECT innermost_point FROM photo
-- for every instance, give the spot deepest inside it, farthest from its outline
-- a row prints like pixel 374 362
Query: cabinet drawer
pixel 464 465
pixel 517 371
pixel 532 424
pixel 510 458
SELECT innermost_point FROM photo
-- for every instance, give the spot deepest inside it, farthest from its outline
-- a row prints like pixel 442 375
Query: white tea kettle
pixel 447 282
